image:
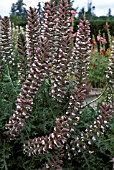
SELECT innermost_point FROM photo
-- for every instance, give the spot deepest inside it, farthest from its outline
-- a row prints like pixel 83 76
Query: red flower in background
pixel 93 42
pixel 93 65
pixel 93 51
pixel 106 27
pixel 103 52
pixel 101 39
pixel 98 37
pixel 73 12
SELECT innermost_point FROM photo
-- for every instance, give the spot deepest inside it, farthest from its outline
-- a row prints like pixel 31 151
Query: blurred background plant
pixel 100 52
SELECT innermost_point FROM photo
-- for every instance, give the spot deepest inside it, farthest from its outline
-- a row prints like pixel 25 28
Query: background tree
pixel 89 13
pixel 18 13
pixel 39 9
pixel 109 12
pixel 20 9
pixel 13 9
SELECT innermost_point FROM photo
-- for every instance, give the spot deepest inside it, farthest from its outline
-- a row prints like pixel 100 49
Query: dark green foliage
pixel 17 21
pixel 41 122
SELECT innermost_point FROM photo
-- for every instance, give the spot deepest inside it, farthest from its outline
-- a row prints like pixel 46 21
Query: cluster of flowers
pixel 91 133
pixel 101 39
pixel 99 42
pixel 35 74
pixel 5 44
pixel 49 54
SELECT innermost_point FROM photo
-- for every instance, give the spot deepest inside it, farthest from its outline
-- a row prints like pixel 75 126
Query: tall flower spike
pixel 74 110
pixel 22 58
pixel 62 55
pixel 5 42
pixel 1 62
pixel 81 53
pixel 32 35
pixel 35 77
pixel 48 32
pixel 110 77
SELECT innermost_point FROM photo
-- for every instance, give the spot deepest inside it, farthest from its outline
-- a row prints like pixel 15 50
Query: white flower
pixel 93 138
pixel 97 133
pixel 18 107
pixel 79 150
pixel 71 130
pixel 89 142
pixel 77 145
pixel 102 127
pixel 94 122
pixel 91 152
pixel 82 134
pixel 98 121
pixel 69 118
pixel 78 118
pixel 84 146
pixel 53 91
pixel 75 123
pixel 95 126
pixel 73 149
pixel 86 130
pixel 49 138
pixel 73 114
pixel 43 142
pixel 52 135
pixel 77 138
pixel 63 141
pixel 68 154
pixel 50 147
pixel 47 166
pixel 68 135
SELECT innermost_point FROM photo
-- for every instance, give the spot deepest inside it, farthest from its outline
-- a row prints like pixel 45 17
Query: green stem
pixel 5 165
pixel 8 72
pixel 96 98
pixel 112 139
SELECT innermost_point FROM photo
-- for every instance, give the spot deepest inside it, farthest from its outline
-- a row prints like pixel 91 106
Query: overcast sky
pixel 101 6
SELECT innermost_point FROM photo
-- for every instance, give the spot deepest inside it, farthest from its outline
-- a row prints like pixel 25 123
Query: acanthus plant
pixel 110 77
pixel 47 54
